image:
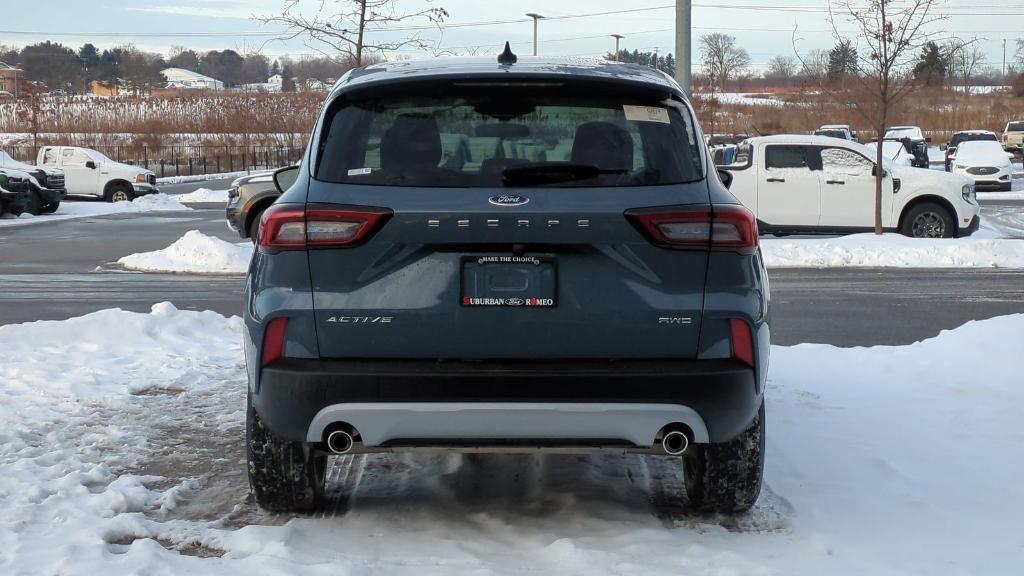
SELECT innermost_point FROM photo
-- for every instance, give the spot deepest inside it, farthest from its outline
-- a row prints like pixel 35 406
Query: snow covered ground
pixel 193 253
pixel 894 250
pixel 70 210
pixel 203 196
pixel 122 452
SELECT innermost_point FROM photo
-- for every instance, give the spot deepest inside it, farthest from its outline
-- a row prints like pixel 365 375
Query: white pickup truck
pixel 816 184
pixel 1013 136
pixel 88 172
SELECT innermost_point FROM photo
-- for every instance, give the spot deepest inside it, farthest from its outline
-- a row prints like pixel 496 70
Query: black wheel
pixel 928 220
pixel 119 193
pixel 33 207
pixel 50 208
pixel 284 476
pixel 726 477
pixel 254 227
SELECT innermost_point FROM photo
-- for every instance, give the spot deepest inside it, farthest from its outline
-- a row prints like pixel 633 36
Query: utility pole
pixel 535 17
pixel 1003 79
pixel 684 40
pixel 620 37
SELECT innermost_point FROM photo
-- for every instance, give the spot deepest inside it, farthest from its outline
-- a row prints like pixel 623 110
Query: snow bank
pixel 193 253
pixel 72 209
pixel 892 251
pixel 203 195
pixel 1018 195
pixel 200 177
pixel 79 400
pixel 884 460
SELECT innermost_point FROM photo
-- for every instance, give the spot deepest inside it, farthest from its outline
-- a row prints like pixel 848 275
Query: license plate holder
pixel 503 281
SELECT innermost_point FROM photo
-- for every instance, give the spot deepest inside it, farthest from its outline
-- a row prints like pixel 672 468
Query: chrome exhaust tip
pixel 675 443
pixel 339 442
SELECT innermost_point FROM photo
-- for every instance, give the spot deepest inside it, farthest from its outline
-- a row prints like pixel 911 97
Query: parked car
pixel 90 173
pixel 837 131
pixel 986 163
pixel 1013 136
pixel 46 185
pixel 964 136
pixel 814 184
pixel 918 143
pixel 14 191
pixel 248 197
pixel 615 299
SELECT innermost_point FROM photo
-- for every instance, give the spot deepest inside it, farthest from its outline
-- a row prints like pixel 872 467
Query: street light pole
pixel 617 38
pixel 535 17
pixel 684 40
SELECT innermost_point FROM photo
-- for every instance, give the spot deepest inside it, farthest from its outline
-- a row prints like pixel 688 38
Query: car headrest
pixel 604 145
pixel 412 141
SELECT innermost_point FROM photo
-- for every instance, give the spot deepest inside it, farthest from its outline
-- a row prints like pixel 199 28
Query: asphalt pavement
pixel 56 271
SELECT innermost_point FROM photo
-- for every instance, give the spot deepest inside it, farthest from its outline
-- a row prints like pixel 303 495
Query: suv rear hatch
pixel 508 220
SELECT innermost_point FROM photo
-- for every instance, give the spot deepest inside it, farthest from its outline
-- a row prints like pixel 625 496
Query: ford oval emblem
pixel 508 200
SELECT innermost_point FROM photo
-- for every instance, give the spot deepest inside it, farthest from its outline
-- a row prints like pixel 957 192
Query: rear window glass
pixel 958 138
pixel 491 139
pixel 1015 127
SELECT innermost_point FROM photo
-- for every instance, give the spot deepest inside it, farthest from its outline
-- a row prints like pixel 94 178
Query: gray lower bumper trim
pixel 380 423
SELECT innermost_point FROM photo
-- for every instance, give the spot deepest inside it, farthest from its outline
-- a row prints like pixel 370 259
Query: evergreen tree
pixel 932 68
pixel 842 62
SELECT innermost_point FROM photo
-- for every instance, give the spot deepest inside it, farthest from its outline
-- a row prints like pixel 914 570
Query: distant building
pixel 10 79
pixel 316 85
pixel 276 79
pixel 189 80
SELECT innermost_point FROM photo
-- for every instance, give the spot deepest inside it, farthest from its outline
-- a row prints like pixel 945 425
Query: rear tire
pixel 254 227
pixel 726 477
pixel 284 476
pixel 928 220
pixel 119 193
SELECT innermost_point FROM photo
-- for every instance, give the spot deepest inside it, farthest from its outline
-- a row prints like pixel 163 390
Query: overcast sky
pixel 763 27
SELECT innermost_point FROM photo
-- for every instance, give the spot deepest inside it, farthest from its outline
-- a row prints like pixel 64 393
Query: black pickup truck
pixel 14 193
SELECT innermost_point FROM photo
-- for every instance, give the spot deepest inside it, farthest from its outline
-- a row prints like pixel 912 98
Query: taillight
pixel 722 227
pixel 273 340
pixel 289 227
pixel 742 342
pixel 1006 138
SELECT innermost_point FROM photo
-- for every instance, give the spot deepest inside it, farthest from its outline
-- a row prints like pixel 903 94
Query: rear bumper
pixel 396 402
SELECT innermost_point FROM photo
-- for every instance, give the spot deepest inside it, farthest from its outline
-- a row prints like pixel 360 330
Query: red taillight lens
pixel 273 340
pixel 742 343
pixel 287 227
pixel 724 227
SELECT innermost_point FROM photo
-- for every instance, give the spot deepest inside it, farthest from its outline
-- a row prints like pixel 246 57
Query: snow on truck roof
pixel 807 139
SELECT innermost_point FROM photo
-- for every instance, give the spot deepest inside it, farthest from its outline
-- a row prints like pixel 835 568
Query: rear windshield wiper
pixel 540 173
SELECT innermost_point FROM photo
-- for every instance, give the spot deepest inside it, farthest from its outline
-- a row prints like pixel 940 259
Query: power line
pixel 967 11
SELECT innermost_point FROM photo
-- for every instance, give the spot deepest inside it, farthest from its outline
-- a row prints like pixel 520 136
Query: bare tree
pixel 781 68
pixel 966 60
pixel 814 64
pixel 892 33
pixel 721 58
pixel 343 25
